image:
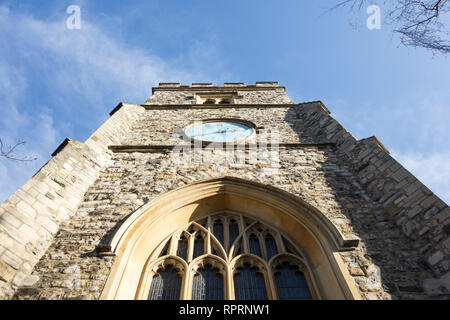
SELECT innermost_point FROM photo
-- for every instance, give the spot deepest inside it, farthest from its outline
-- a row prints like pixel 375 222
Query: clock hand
pixel 218 131
pixel 203 134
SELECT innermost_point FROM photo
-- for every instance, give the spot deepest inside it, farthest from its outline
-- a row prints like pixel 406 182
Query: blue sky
pixel 57 83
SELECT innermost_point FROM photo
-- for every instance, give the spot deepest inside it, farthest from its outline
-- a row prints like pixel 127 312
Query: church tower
pixel 223 192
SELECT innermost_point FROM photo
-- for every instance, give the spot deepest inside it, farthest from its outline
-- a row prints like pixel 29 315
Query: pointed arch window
pixel 256 267
pixel 166 284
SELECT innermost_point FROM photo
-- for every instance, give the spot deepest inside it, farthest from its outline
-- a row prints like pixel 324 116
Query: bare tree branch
pixel 417 22
pixel 8 152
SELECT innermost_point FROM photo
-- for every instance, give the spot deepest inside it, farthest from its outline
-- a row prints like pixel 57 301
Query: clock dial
pixel 219 131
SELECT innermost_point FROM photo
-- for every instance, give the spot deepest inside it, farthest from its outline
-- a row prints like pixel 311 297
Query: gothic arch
pixel 141 238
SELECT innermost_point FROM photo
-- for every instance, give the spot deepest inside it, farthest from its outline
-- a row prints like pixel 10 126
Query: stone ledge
pixel 375 139
pixel 225 106
pixel 168 148
pixel 61 146
pixel 116 108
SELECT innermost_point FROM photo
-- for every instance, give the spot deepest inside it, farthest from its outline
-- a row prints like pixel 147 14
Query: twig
pixel 9 152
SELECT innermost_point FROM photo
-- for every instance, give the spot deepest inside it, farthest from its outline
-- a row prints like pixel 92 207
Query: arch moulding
pixel 314 234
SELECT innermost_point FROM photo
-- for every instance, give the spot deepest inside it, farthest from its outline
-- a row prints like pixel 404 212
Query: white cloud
pixel 95 63
pixel 87 65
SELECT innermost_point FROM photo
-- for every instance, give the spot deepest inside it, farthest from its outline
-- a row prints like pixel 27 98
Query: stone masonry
pixel 51 228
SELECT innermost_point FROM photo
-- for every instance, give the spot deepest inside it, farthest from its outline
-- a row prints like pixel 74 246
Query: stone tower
pixel 204 188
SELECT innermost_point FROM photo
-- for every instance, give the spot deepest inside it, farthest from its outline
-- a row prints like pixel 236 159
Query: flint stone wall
pixel 180 97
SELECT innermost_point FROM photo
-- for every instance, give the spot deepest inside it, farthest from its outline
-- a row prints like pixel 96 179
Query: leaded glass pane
pixel 207 285
pixel 198 246
pixel 166 285
pixel 218 231
pixel 254 245
pixel 234 231
pixel 182 247
pixel 291 283
pixel 249 284
pixel 271 246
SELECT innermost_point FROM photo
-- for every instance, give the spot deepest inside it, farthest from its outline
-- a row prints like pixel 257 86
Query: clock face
pixel 219 131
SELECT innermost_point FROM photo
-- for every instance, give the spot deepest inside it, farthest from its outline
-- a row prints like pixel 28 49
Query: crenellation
pixel 261 93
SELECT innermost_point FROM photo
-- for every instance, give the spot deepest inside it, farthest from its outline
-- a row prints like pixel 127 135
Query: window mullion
pixel 226 234
pixel 190 251
pixel 280 244
pixel 173 245
pixel 262 246
pixel 209 226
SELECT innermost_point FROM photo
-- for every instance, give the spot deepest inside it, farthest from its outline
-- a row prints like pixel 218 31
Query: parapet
pixel 174 93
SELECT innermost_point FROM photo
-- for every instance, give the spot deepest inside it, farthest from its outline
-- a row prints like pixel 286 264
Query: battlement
pixel 209 86
pixel 174 93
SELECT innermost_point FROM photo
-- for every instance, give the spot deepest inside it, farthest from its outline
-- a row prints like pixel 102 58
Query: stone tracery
pixel 229 256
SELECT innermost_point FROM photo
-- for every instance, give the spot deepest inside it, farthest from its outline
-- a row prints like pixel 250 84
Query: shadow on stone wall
pixel 387 264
